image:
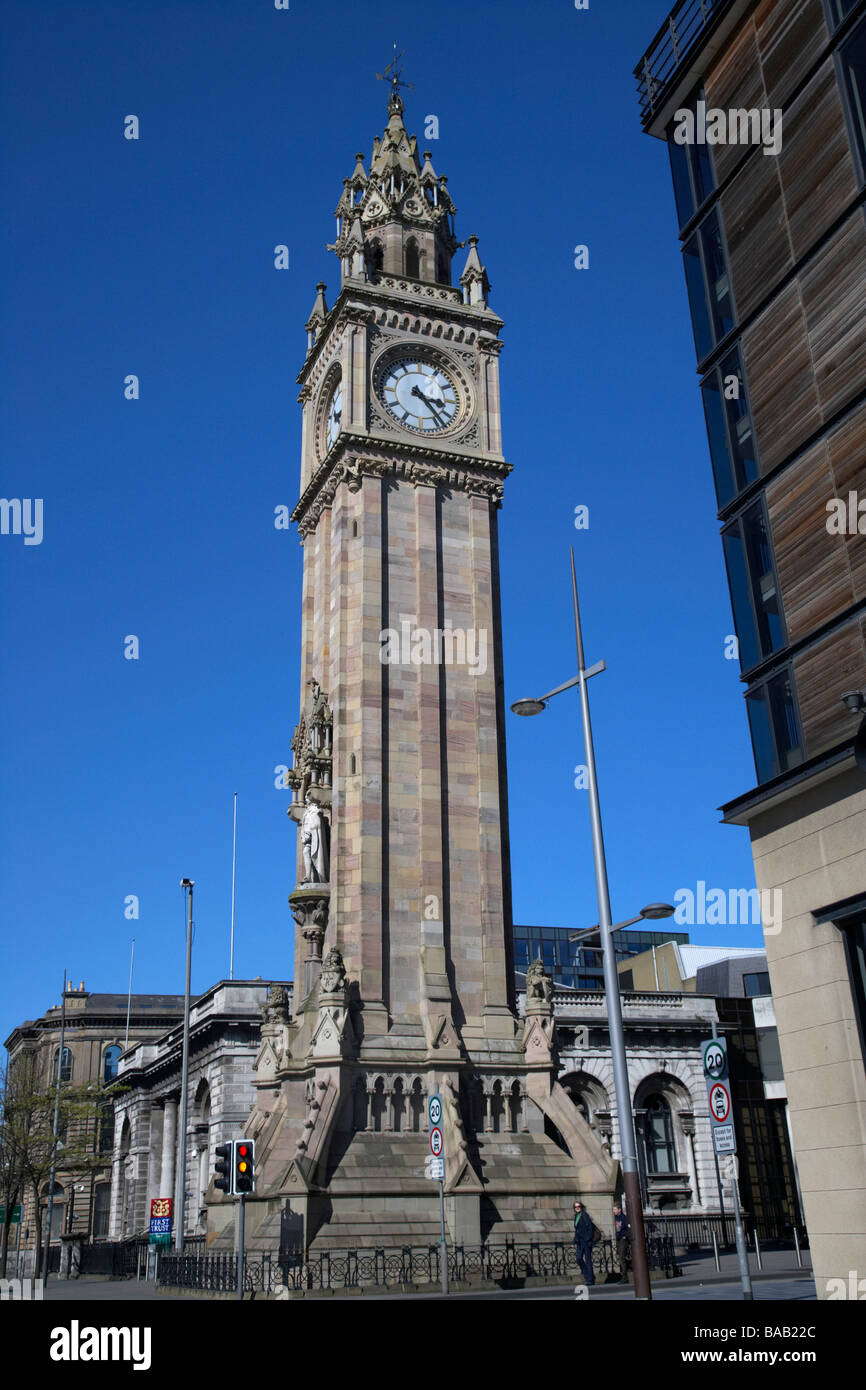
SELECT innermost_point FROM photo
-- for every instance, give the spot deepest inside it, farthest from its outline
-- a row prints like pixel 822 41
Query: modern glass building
pixel 578 965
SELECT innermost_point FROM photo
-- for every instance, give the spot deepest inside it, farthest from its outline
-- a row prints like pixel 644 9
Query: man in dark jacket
pixel 622 1236
pixel 583 1229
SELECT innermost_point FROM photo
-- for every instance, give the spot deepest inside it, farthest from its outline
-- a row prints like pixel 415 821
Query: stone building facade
pixel 94 1037
pixel 225 1025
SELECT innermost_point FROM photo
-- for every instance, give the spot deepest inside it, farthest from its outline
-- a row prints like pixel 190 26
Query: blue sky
pixel 155 257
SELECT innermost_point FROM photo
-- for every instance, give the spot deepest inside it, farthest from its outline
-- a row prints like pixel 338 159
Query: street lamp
pixel 630 1175
pixel 187 885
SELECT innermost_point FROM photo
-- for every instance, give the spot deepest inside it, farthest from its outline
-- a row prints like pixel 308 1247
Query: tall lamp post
pixel 630 1174
pixel 180 1188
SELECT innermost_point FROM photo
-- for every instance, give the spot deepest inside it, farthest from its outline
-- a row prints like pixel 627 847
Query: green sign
pixel 16 1214
pixel 160 1240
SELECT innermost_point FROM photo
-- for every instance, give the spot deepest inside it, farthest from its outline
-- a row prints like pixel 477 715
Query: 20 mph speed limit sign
pixel 717 1075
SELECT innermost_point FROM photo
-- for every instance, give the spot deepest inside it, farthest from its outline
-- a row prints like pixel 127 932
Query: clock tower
pixel 404 978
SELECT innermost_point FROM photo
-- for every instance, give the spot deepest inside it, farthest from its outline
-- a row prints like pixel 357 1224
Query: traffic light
pixel 245 1166
pixel 223 1168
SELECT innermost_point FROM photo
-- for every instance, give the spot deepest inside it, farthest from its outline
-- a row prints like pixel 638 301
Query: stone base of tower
pixel 341 1134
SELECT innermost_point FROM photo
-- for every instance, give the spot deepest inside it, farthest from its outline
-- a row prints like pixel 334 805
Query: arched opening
pixel 398 1105
pixel 354 529
pixel 416 1105
pixel 413 259
pixel 514 1107
pixel 377 1104
pixel 110 1062
pixel 375 257
pixel 65 1064
pixel 352 765
pixel 497 1108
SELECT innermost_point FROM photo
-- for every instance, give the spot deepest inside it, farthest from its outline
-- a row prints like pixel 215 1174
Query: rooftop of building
pixel 669 68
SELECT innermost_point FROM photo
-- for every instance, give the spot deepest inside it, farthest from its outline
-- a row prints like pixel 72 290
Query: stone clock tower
pixel 404 978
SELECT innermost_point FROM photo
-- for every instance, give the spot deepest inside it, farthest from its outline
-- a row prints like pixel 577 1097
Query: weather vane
pixel 394 76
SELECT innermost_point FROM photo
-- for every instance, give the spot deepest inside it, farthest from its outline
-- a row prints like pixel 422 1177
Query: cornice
pixel 413 463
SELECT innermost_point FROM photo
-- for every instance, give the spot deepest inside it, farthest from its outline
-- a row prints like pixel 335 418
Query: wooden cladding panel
pixel 759 250
pixel 847 449
pixel 791 34
pixel 735 82
pixel 782 392
pixel 821 674
pixel 818 175
pixel 833 288
pixel 814 576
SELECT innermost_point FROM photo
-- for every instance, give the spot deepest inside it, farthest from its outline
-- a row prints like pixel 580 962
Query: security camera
pixel 855 700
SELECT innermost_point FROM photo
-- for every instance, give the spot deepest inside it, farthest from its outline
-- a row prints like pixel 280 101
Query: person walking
pixel 583 1233
pixel 622 1236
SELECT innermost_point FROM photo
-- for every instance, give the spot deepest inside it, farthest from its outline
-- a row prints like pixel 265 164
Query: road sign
pixel 720 1102
pixel 436 1168
pixel 724 1139
pixel 15 1217
pixel 434 1110
pixel 716 1059
pixel 437 1143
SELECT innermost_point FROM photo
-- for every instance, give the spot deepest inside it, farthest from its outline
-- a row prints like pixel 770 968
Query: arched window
pixel 375 257
pixel 109 1063
pixel 65 1064
pixel 413 259
pixel 106 1128
pixel 661 1154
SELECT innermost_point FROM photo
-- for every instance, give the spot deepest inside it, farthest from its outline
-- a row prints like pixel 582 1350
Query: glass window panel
pixel 714 413
pixel 697 298
pixel 759 552
pixel 718 279
pixel 738 581
pixel 853 59
pixel 786 727
pixel 740 432
pixel 702 171
pixel 761 729
pixel 682 183
pixel 838 9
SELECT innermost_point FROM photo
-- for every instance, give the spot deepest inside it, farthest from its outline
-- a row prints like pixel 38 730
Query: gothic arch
pixel 586 1092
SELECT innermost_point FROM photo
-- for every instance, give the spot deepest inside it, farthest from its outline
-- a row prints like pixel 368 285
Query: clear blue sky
pixel 155 257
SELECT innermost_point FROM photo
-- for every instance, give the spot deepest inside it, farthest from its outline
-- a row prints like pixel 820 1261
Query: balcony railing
pixel 684 26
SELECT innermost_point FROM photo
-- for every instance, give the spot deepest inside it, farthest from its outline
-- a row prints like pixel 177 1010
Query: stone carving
pixel 314 839
pixel 539 985
pixel 333 976
pixel 312 744
pixel 276 1006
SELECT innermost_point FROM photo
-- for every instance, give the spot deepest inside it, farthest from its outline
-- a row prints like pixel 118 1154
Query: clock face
pixel 419 395
pixel 335 411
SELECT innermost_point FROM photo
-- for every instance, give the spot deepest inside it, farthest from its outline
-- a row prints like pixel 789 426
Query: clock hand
pixel 416 391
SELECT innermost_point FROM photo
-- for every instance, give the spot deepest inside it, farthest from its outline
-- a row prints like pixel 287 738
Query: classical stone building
pixel 771 218
pixel 94 1037
pixel 225 1024
pixel 403 966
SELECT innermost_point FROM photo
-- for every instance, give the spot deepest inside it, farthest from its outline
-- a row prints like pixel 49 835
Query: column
pixel 169 1149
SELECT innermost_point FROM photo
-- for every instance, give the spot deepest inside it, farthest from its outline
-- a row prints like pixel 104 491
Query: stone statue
pixel 539 985
pixel 333 974
pixel 276 1008
pixel 314 839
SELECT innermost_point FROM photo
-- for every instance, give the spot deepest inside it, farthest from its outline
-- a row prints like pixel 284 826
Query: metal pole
pixel 742 1253
pixel 757 1248
pixel 796 1244
pixel 630 1177
pixel 54 1134
pixel 129 995
pixel 241 1232
pixel 234 860
pixel 716 1251
pixel 443 1248
pixel 180 1187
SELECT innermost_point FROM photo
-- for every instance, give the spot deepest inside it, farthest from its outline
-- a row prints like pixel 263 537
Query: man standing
pixel 583 1229
pixel 622 1236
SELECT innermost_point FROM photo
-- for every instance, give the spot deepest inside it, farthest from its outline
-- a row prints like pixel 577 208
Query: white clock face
pixel 419 395
pixel 335 411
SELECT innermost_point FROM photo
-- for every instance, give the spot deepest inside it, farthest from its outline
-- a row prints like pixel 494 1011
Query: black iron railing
pixel 670 48
pixel 396 1266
